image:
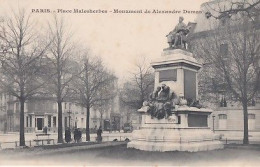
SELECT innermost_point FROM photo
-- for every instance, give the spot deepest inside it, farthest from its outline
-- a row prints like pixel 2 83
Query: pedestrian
pixel 45 130
pixel 5 127
pixel 79 135
pixel 76 133
pixel 99 132
pixel 67 135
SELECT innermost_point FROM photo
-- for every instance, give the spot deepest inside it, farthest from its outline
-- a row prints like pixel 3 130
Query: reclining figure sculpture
pixel 162 102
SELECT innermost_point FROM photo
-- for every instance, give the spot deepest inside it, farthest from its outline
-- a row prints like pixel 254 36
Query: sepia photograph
pixel 129 83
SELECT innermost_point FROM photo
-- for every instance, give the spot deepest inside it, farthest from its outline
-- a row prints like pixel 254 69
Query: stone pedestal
pixel 186 130
pixel 177 69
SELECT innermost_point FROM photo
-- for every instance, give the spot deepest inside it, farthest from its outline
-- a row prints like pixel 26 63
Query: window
pixel 54 121
pixel 17 107
pixel 82 121
pixel 223 102
pixel 49 121
pixel 179 120
pixel 27 121
pixel 66 122
pixel 222 122
pixel 222 116
pixel 30 120
pixel 251 116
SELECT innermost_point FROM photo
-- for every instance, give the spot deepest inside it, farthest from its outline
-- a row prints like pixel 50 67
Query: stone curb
pixel 77 148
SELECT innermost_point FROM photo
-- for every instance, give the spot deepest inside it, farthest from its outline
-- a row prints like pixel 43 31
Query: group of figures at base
pixel 162 102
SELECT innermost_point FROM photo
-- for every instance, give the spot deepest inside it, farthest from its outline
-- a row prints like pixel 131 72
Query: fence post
pixel 42 142
pixel 30 143
pixel 15 143
pixel 120 138
pixel 226 140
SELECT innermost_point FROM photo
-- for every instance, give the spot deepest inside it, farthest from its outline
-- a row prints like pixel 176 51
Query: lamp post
pixel 213 118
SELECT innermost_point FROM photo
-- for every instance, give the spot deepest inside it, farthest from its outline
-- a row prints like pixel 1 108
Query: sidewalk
pixel 61 148
pixel 8 133
pixel 82 146
pixel 11 140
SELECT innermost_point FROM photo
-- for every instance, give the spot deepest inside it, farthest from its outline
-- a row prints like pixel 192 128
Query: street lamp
pixel 213 118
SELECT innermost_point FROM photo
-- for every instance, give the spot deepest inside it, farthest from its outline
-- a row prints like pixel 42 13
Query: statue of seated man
pixel 177 37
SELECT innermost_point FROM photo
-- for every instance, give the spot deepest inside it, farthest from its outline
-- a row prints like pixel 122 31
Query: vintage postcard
pixel 130 82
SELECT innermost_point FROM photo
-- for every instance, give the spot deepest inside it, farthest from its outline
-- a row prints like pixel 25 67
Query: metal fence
pixel 42 142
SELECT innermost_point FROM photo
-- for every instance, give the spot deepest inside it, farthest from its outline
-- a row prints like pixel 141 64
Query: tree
pixel 22 60
pixel 136 91
pixel 233 50
pixel 63 68
pixel 249 8
pixel 92 85
pixel 106 95
pixel 210 86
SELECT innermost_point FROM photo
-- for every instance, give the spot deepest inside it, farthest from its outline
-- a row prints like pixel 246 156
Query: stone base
pixel 168 146
pixel 175 139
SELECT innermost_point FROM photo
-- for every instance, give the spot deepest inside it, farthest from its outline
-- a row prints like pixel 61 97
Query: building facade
pixel 227 118
pixel 41 112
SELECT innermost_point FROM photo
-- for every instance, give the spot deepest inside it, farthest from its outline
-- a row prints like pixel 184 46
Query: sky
pixel 121 39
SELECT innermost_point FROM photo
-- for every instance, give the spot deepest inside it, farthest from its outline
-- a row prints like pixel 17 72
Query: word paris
pixel 118 11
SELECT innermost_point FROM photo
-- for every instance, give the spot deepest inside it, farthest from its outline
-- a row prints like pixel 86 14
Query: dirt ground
pixel 121 156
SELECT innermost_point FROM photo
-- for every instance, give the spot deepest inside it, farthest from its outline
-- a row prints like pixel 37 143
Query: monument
pixel 172 118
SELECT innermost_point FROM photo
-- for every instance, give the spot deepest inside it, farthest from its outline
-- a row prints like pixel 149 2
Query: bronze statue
pixel 161 102
pixel 177 38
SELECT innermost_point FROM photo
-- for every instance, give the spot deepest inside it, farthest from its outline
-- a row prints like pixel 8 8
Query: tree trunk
pixel 60 136
pixel 22 138
pixel 87 124
pixel 245 112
